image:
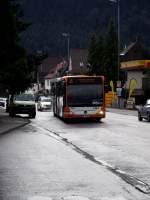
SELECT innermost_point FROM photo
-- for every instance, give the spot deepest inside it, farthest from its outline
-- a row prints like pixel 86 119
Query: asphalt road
pixel 52 159
pixel 120 142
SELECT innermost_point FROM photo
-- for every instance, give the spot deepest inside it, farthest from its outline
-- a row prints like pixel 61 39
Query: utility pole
pixel 118 33
pixel 67 35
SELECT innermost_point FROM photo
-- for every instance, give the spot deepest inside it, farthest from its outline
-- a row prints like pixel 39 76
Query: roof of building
pixel 56 69
pixel 49 76
pixel 77 64
pixel 127 49
pixel 79 60
pixel 48 64
pixel 135 51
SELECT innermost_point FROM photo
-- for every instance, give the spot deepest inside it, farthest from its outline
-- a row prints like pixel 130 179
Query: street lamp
pixel 67 35
pixel 118 30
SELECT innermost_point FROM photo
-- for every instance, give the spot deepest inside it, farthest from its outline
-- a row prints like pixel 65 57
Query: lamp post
pixel 67 35
pixel 118 31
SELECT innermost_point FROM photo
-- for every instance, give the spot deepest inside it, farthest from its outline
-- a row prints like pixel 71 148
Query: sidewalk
pixel 8 124
pixel 122 111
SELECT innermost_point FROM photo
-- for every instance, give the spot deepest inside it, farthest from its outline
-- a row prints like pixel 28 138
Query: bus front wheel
pixel 98 119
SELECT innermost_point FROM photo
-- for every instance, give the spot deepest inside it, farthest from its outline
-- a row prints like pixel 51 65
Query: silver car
pixel 144 111
pixel 44 103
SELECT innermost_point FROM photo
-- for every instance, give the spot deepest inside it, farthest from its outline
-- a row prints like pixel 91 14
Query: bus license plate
pixel 85 115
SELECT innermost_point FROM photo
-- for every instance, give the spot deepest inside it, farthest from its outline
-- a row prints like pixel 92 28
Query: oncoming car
pixel 144 112
pixel 44 103
pixel 23 104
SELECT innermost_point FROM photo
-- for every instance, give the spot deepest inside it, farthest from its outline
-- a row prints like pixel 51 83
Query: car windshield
pixel 2 99
pixel 45 100
pixel 24 97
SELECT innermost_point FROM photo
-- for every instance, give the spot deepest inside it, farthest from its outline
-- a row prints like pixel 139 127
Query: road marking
pixel 74 197
pixel 39 198
pixel 113 198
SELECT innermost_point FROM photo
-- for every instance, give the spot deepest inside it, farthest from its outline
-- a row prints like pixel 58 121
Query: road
pixel 99 161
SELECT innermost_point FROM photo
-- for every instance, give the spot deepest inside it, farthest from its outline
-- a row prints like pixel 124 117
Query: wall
pixel 138 75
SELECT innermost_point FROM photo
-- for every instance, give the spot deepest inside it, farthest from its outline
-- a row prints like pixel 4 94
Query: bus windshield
pixel 84 95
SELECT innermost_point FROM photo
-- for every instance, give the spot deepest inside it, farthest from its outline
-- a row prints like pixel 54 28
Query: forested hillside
pixel 49 19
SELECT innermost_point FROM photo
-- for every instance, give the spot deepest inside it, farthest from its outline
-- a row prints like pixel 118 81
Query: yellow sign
pixel 112 88
pixel 132 86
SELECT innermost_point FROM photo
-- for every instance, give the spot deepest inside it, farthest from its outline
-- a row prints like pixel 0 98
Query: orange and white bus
pixel 78 97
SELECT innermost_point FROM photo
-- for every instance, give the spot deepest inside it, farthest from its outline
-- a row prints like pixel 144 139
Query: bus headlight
pixel 101 112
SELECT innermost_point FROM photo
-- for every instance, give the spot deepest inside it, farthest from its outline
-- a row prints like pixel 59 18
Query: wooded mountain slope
pixel 80 18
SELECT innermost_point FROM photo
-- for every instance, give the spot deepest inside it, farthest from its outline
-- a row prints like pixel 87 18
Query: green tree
pixel 15 74
pixel 103 53
pixel 95 55
pixel 34 60
pixel 100 56
pixel 111 53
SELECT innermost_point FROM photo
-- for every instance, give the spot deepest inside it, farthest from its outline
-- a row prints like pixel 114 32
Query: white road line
pixel 39 198
pixel 113 198
pixel 74 197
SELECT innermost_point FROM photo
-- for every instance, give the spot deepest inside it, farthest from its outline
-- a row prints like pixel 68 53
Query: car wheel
pixel 11 114
pixel 32 115
pixel 139 117
pixel 54 114
pixel 98 119
pixel 148 117
pixel 40 108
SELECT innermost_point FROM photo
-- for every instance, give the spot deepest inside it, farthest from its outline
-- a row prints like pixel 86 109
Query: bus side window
pixel 57 89
pixel 61 88
pixel 64 93
pixel 52 89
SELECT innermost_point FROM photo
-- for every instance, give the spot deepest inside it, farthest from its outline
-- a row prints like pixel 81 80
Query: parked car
pixel 3 102
pixel 144 111
pixel 44 103
pixel 23 104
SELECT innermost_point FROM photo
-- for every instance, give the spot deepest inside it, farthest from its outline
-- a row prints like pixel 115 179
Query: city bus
pixel 78 97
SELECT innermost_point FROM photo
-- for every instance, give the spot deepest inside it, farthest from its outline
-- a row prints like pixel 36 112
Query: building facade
pixel 135 62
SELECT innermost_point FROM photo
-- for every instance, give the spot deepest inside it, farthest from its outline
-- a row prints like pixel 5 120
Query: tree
pixel 111 53
pixel 95 55
pixel 103 54
pixel 34 60
pixel 15 74
pixel 92 55
pixel 100 56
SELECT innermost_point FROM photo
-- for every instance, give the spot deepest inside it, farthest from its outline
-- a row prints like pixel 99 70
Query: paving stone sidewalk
pixel 8 124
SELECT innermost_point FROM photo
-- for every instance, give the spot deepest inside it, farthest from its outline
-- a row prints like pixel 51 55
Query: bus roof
pixel 74 76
